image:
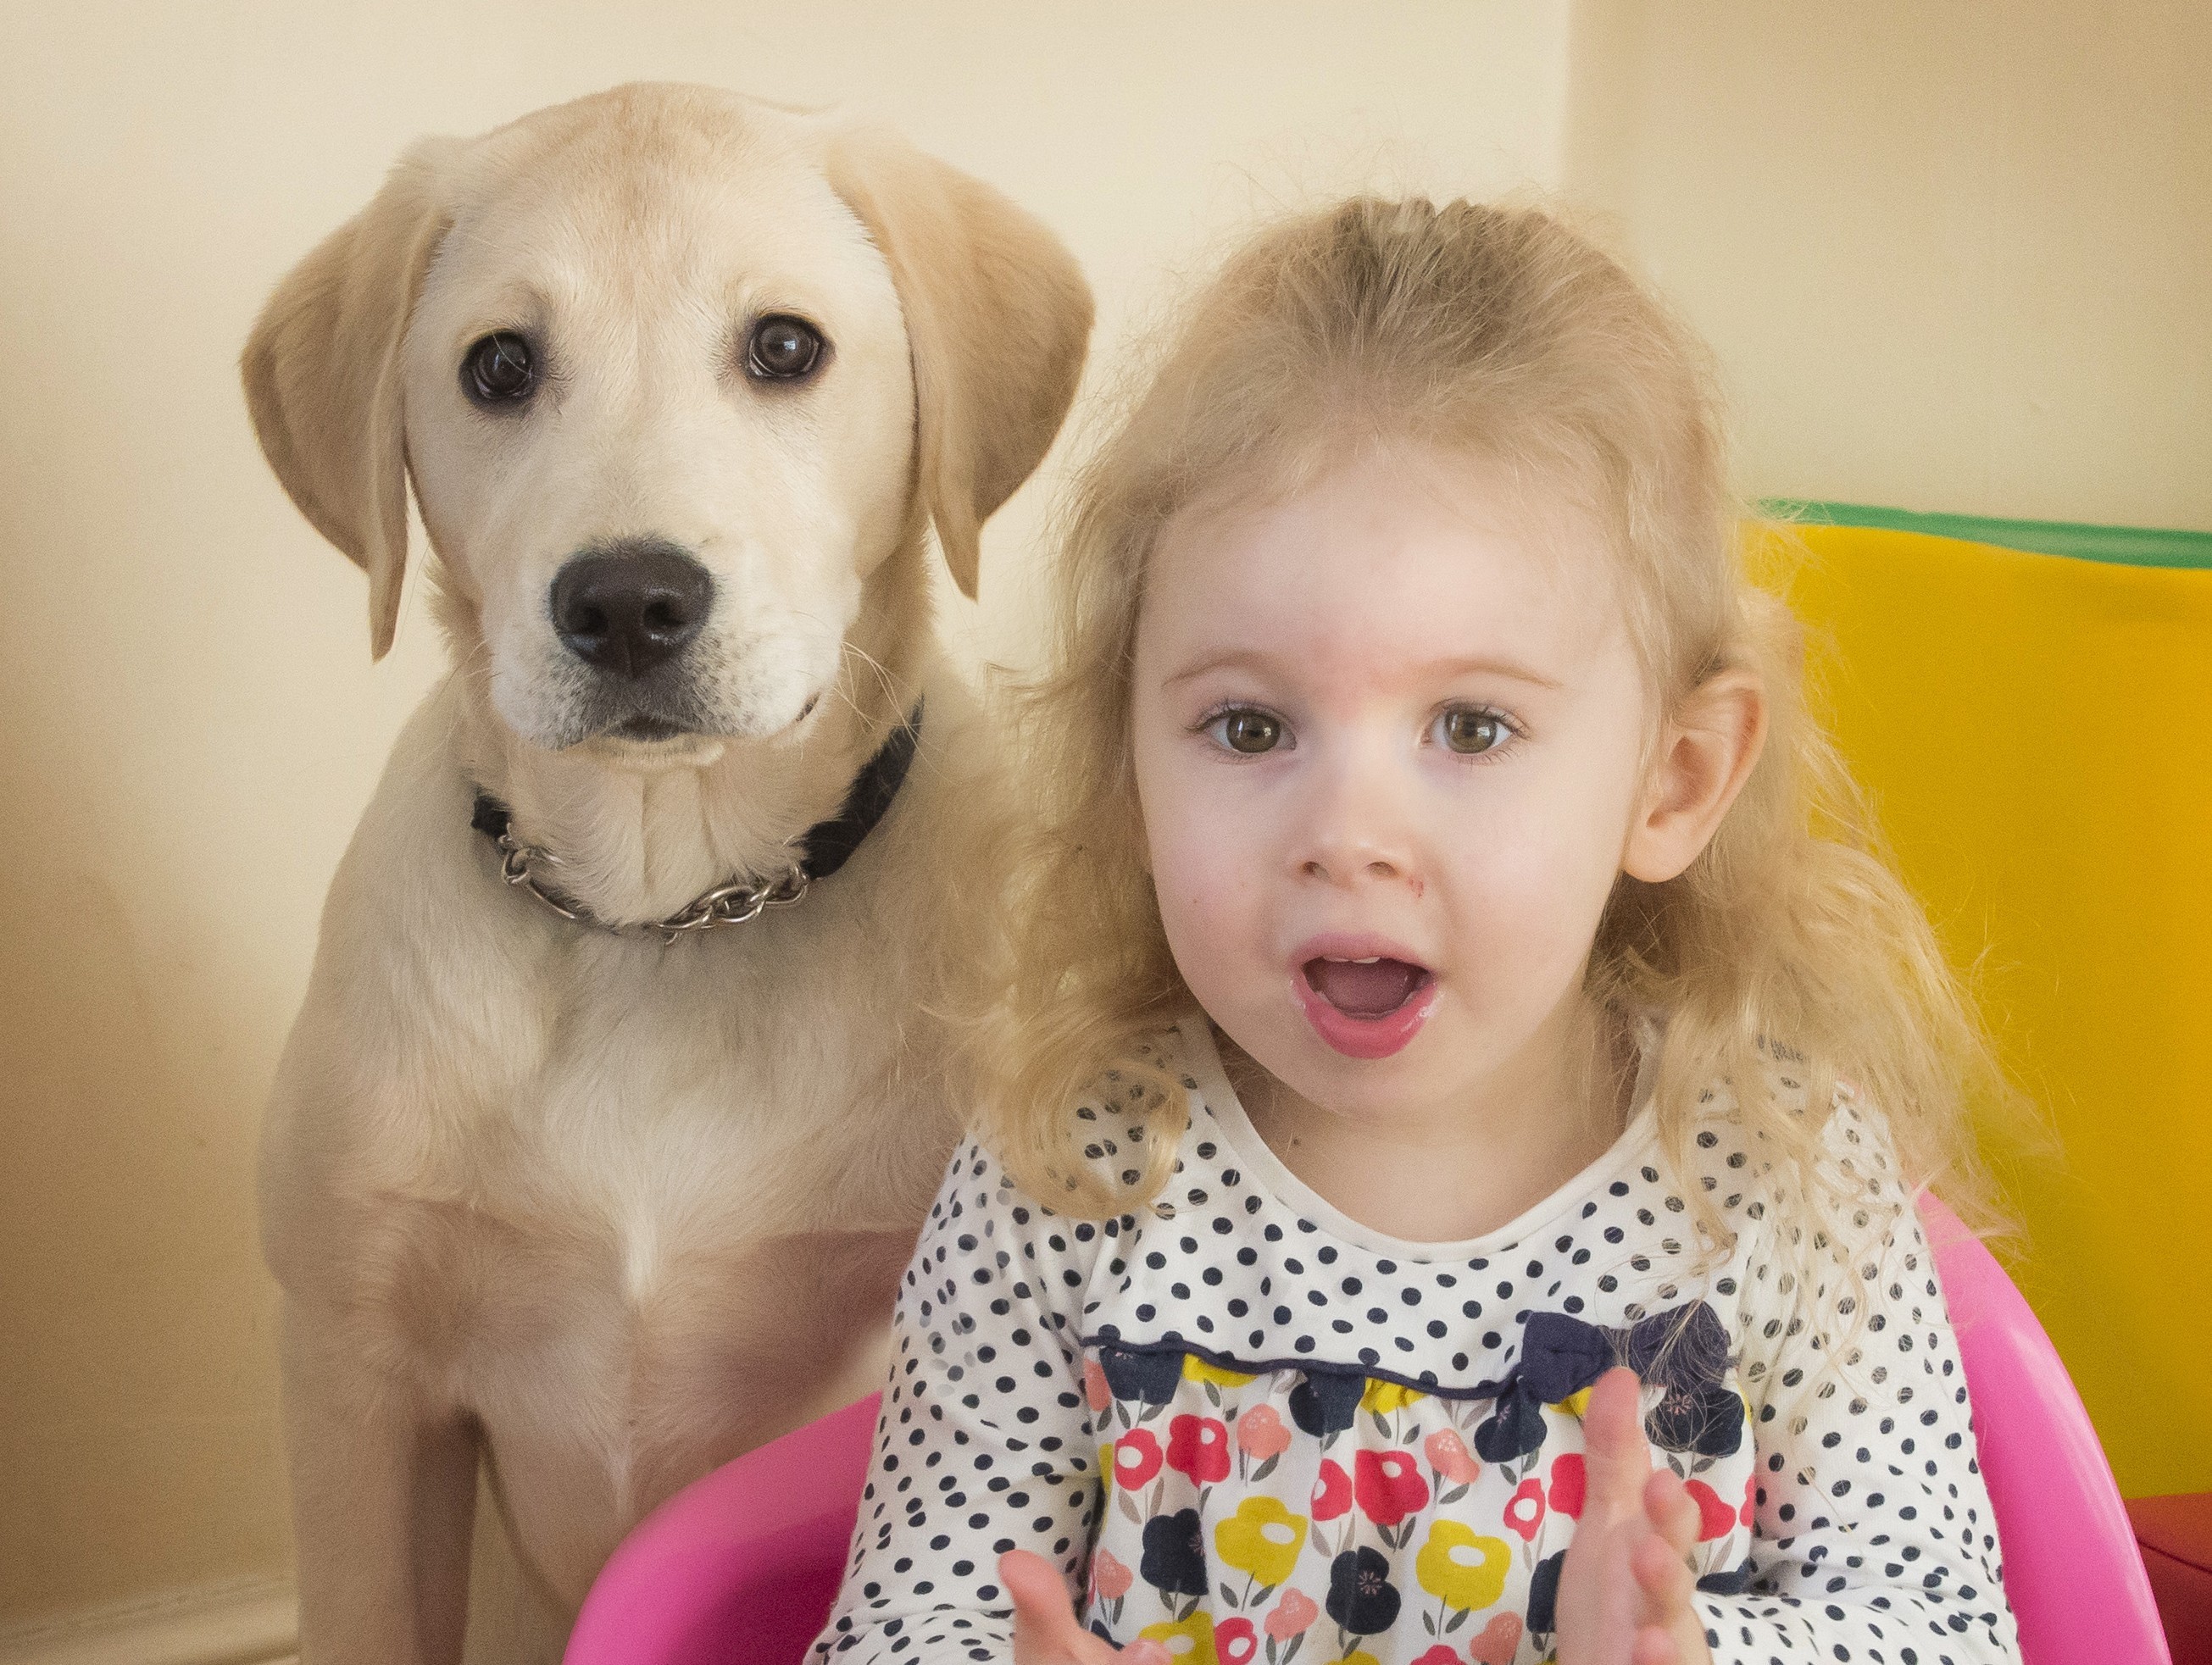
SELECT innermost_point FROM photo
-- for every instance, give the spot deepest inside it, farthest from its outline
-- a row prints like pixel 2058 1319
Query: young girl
pixel 1446 1194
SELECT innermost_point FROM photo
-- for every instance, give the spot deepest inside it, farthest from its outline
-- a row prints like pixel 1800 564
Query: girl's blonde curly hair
pixel 1503 334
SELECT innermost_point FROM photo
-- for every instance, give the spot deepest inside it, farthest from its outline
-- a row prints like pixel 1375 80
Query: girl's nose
pixel 1356 829
pixel 1346 861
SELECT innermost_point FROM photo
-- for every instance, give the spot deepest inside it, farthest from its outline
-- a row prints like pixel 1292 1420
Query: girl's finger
pixel 1046 1630
pixel 1654 1645
pixel 1664 1578
pixel 1615 1454
pixel 1671 1509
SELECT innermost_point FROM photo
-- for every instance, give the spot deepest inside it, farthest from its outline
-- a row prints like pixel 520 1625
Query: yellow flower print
pixel 1263 1539
pixel 1194 1635
pixel 1387 1396
pixel 1358 1656
pixel 1106 1467
pixel 1196 1369
pixel 1460 1568
pixel 1576 1403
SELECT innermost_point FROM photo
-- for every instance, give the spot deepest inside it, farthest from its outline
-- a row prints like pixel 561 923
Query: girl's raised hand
pixel 1046 1630
pixel 1625 1591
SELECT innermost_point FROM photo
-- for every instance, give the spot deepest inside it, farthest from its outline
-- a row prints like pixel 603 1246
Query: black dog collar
pixel 819 852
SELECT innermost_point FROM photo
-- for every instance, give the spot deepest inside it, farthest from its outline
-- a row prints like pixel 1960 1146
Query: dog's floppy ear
pixel 322 377
pixel 997 317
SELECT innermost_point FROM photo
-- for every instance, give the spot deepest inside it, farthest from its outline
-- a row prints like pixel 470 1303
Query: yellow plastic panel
pixel 2036 732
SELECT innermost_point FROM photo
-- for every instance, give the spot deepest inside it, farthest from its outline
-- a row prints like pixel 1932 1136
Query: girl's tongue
pixel 1365 989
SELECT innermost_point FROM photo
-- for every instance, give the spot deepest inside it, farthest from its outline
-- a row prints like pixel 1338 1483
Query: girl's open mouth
pixel 1365 1007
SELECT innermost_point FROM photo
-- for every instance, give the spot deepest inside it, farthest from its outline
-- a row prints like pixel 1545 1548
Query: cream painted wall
pixel 1954 256
pixel 192 724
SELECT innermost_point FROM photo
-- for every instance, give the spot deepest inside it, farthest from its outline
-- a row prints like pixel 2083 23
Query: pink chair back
pixel 744 1564
pixel 2071 1568
pixel 740 1567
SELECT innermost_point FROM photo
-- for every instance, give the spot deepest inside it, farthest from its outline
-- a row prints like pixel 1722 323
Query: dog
pixel 622 1081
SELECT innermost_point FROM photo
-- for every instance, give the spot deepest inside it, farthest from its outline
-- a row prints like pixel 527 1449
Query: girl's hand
pixel 1625 1589
pixel 1046 1630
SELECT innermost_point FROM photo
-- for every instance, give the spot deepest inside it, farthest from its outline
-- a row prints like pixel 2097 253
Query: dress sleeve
pixel 984 1444
pixel 1874 1541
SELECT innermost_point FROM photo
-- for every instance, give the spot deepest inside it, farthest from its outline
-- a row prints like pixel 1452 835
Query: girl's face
pixel 1388 737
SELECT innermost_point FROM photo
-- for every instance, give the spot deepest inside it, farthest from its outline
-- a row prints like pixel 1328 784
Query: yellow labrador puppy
pixel 619 1091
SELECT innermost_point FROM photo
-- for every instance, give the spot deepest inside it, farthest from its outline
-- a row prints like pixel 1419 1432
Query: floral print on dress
pixel 1000 1416
pixel 1274 1516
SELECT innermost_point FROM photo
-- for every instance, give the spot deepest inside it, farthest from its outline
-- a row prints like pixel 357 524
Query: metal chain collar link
pixel 821 850
pixel 736 902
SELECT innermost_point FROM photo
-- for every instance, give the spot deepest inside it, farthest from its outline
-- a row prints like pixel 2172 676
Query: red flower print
pixel 1524 1510
pixel 1715 1518
pixel 1261 1433
pixel 1293 1615
pixel 1332 1492
pixel 1109 1578
pixel 1388 1485
pixel 1136 1457
pixel 1234 1641
pixel 1096 1392
pixel 1569 1481
pixel 1198 1447
pixel 1448 1454
pixel 1750 1498
pixel 1439 1655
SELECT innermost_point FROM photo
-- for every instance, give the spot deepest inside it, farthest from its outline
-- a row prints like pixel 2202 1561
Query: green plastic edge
pixel 2128 546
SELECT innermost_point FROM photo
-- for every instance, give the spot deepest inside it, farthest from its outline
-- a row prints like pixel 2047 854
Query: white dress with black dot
pixel 1249 1427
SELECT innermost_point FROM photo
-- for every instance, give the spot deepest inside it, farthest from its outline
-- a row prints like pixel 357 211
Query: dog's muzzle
pixel 628 609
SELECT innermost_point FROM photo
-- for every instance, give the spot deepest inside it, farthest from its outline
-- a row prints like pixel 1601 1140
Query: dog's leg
pixel 382 1495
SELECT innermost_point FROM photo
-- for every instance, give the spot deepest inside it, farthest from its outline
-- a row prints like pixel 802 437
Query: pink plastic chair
pixel 738 1568
pixel 2071 1568
pixel 743 1565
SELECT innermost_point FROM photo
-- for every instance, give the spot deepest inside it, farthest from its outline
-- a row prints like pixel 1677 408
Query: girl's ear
pixel 1706 753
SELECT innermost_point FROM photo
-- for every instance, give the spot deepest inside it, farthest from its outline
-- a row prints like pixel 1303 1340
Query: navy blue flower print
pixel 1175 1553
pixel 1327 1401
pixel 1544 1593
pixel 1361 1597
pixel 1151 1376
pixel 1734 1582
pixel 1514 1426
pixel 1708 1420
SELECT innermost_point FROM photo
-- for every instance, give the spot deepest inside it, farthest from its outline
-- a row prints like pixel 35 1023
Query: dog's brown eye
pixel 500 370
pixel 783 349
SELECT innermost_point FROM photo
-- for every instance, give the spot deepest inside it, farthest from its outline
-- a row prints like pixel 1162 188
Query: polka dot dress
pixel 1248 1428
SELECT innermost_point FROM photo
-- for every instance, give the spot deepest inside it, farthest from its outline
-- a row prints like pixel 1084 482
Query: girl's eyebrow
pixel 1246 658
pixel 1239 658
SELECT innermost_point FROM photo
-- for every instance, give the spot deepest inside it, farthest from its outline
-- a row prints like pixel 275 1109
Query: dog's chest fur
pixel 631 1206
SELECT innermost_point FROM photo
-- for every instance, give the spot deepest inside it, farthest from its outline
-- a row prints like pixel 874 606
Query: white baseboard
pixel 246 1622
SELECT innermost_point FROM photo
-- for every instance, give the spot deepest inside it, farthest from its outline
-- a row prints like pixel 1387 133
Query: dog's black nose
pixel 626 608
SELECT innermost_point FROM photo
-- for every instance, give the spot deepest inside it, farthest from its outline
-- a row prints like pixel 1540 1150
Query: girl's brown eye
pixel 1248 732
pixel 1471 732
